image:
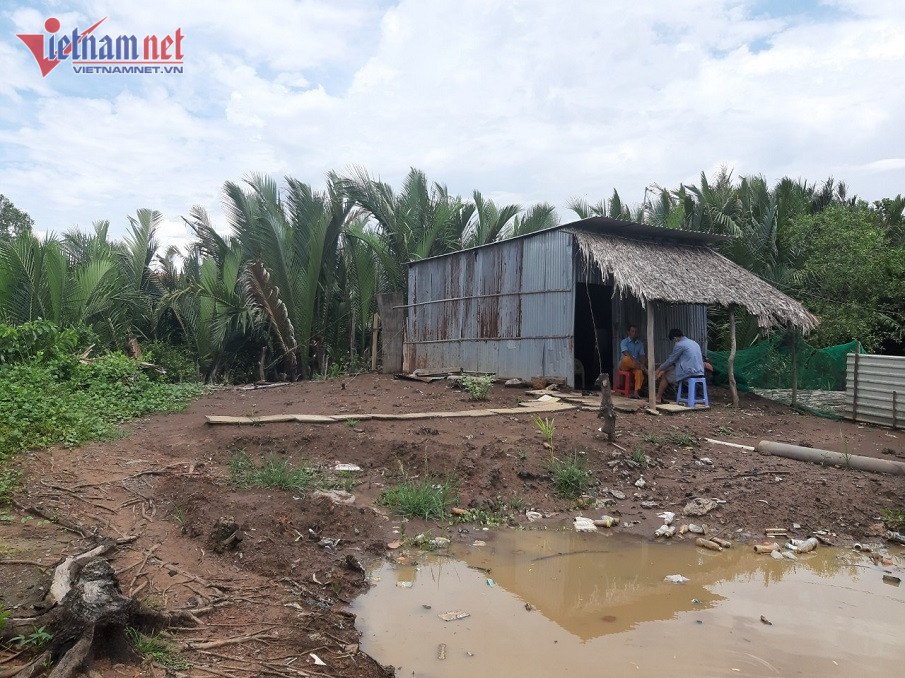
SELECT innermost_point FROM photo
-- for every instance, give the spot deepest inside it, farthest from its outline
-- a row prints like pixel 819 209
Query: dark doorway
pixel 593 334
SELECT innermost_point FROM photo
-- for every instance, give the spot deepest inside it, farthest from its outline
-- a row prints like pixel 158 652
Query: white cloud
pixel 523 100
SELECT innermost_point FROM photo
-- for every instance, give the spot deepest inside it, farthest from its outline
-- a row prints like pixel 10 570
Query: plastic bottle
pixel 807 545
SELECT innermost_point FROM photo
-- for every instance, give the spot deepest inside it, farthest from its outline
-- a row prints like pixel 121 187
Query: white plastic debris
pixel 665 531
pixel 776 555
pixel 694 528
pixel 583 524
pixel 675 578
pixel 640 482
pixel 347 468
pixel 533 516
pixel 317 660
pixel 668 517
pixel 789 555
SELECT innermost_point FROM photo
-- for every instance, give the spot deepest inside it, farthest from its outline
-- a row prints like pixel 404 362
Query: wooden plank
pixel 392 327
pixel 330 419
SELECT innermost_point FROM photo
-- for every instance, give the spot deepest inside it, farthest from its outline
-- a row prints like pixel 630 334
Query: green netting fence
pixel 768 364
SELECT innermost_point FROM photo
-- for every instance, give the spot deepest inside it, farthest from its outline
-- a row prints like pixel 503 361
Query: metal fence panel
pixel 875 392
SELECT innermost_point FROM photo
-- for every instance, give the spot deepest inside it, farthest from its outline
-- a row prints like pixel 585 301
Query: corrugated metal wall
pixel 881 380
pixel 627 310
pixel 507 308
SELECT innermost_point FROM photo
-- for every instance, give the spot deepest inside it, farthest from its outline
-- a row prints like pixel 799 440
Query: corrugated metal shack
pixel 875 389
pixel 540 304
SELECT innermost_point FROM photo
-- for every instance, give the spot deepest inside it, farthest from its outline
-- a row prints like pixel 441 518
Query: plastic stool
pixel 626 387
pixel 691 386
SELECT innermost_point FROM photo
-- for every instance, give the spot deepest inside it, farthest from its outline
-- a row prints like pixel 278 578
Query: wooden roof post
pixel 794 368
pixel 732 386
pixel 651 365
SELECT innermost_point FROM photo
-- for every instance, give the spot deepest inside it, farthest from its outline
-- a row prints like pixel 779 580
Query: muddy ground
pixel 272 600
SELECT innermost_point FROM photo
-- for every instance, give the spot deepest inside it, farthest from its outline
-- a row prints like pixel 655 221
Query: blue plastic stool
pixel 691 385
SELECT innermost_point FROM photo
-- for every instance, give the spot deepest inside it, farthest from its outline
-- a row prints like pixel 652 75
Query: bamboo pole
pixel 651 367
pixel 374 324
pixel 733 390
pixel 794 369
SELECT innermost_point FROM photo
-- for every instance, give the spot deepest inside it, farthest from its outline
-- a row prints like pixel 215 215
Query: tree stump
pixel 90 620
pixel 607 412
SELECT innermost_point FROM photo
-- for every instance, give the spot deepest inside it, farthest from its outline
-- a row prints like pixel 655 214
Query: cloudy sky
pixel 526 100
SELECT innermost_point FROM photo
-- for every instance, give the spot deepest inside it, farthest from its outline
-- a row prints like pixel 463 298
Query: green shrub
pixel 421 498
pixel 477 388
pixel 67 402
pixel 570 478
pixel 178 361
pixel 157 650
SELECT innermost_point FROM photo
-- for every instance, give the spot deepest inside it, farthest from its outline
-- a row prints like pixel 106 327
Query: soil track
pixel 166 482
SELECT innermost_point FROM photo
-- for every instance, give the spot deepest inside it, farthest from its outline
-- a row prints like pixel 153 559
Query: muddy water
pixel 565 604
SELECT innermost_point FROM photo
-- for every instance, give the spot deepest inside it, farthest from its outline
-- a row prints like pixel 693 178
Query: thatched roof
pixel 692 274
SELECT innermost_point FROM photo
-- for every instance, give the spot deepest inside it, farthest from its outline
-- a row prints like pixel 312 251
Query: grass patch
pixel 273 472
pixel 157 650
pixel 640 458
pixel 426 498
pixel 893 519
pixel 477 388
pixel 570 477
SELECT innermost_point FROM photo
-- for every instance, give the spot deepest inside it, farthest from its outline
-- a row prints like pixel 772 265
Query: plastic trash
pixel 695 529
pixel 317 660
pixel 533 516
pixel 668 517
pixel 675 578
pixel 666 531
pixel 347 468
pixel 807 545
pixel 789 555
pixel 583 524
pixel 640 482
pixel 708 544
pixel 403 584
pixel 439 542
pixel 776 555
pixel 607 521
pixel 725 543
pixel 490 582
pixel 766 548
pixel 454 615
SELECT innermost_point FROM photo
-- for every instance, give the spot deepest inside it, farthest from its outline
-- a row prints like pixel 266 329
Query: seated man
pixel 633 358
pixel 686 357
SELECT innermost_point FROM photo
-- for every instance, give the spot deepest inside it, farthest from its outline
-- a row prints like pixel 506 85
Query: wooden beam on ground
pixel 331 419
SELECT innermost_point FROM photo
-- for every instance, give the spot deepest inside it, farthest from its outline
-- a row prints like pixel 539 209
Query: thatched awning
pixel 688 274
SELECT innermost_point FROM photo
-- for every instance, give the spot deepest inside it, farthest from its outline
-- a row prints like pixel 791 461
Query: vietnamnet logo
pixel 90 53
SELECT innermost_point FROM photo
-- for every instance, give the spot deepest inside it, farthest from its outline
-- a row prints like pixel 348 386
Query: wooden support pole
pixel 733 390
pixel 374 324
pixel 651 363
pixel 855 385
pixel 794 369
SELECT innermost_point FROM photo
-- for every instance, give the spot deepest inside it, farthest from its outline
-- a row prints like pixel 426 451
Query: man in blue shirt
pixel 687 358
pixel 632 349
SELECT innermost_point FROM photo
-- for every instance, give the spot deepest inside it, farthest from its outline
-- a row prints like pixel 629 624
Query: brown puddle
pixel 599 605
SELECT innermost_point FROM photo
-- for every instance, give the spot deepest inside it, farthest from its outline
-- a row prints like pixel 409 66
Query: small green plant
pixel 4 615
pixel 9 478
pixel 36 640
pixel 845 453
pixel 893 519
pixel 477 388
pixel 426 498
pixel 547 427
pixel 570 478
pixel 682 439
pixel 157 650
pixel 652 438
pixel 252 413
pixel 273 472
pixel 639 457
pixel 725 430
pixel 179 515
pixel 351 423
